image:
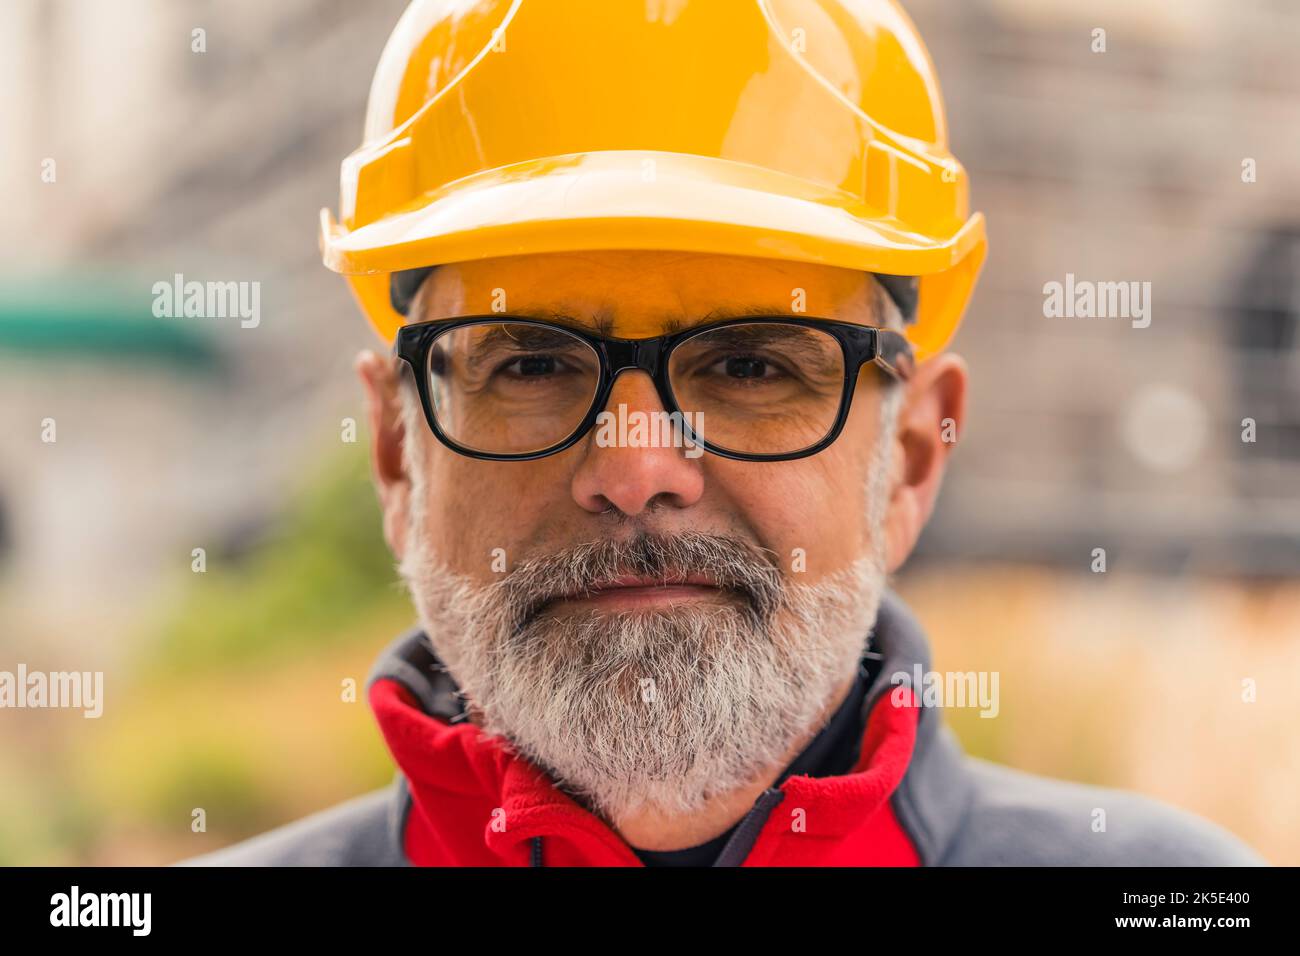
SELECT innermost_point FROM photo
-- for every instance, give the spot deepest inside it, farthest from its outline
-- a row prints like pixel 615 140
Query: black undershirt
pixel 832 752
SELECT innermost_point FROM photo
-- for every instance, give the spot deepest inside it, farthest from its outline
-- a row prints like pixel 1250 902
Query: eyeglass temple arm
pixel 894 353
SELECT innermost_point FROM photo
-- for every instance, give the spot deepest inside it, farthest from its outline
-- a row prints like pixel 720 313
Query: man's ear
pixel 929 424
pixel 381 378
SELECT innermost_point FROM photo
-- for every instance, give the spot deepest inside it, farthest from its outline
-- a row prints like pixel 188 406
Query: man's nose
pixel 631 476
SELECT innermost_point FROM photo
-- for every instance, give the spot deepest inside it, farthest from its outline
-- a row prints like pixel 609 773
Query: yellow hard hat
pixel 809 130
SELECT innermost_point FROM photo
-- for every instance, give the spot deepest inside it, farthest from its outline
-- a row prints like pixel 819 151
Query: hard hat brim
pixel 639 199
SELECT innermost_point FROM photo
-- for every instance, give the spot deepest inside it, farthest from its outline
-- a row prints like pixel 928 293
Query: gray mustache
pixel 734 564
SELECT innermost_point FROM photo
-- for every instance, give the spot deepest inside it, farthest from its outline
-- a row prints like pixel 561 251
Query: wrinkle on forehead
pixel 720 287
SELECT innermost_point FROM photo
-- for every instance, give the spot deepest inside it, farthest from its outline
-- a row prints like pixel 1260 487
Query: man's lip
pixel 632 584
pixel 649 581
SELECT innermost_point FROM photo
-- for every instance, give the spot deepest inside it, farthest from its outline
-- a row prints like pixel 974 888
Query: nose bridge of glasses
pixel 625 354
pixel 636 355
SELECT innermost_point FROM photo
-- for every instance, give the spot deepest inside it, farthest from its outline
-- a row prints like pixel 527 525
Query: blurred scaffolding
pixel 1127 165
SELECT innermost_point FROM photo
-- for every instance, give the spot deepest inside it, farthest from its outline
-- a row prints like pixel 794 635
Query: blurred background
pixel 128 158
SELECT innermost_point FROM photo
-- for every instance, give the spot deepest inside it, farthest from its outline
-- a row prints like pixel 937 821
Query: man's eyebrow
pixel 601 323
pixel 741 312
pixel 516 334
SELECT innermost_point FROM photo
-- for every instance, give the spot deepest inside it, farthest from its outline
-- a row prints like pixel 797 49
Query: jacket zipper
pixel 737 848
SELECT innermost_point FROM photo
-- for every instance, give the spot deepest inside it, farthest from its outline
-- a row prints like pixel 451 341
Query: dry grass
pixel 1133 682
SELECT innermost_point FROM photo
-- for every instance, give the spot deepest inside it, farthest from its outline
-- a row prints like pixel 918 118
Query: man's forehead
pixel 677 292
pixel 640 315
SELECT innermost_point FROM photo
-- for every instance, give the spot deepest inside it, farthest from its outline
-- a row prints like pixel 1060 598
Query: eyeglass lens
pixel 754 388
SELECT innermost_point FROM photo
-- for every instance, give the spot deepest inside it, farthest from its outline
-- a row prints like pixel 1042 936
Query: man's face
pixel 542 583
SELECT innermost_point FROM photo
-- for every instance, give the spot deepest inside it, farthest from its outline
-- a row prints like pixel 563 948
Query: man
pixel 668 287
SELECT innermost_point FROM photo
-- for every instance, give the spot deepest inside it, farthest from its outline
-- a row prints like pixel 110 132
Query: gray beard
pixel 659 710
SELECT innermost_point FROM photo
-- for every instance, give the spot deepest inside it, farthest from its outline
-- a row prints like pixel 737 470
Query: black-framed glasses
pixel 763 388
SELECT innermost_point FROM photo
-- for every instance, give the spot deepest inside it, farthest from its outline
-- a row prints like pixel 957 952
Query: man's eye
pixel 534 365
pixel 745 367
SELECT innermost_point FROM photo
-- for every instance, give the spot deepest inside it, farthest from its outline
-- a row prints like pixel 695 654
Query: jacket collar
pixel 475 802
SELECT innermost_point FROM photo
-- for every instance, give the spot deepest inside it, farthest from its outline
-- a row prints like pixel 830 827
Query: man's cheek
pixel 470 536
